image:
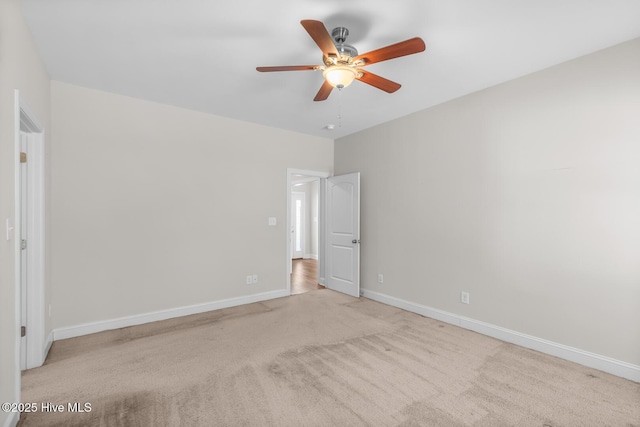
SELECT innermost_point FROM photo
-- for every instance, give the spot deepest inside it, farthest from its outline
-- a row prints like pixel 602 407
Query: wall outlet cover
pixel 464 297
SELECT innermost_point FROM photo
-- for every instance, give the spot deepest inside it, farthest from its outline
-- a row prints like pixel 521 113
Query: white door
pixel 23 253
pixel 31 227
pixel 343 233
pixel 297 224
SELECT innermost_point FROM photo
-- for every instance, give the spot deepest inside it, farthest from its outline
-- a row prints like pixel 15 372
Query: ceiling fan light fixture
pixel 342 63
pixel 340 76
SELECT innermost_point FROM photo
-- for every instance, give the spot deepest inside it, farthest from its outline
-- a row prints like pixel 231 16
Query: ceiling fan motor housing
pixel 339 35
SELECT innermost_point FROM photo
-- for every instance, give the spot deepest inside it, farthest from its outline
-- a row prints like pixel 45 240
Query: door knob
pixel 354 241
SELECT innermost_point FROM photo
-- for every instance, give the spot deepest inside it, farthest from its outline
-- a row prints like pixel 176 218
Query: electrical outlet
pixel 255 278
pixel 380 278
pixel 249 280
pixel 464 297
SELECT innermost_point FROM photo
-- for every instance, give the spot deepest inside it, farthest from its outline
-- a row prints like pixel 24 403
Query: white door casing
pixel 298 210
pixel 24 225
pixel 343 233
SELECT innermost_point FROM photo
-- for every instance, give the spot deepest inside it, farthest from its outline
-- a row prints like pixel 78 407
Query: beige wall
pixel 526 195
pixel 157 207
pixel 20 68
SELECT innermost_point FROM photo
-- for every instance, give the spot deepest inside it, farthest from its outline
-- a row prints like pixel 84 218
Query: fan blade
pixel 320 35
pixel 379 82
pixel 324 91
pixel 287 68
pixel 407 47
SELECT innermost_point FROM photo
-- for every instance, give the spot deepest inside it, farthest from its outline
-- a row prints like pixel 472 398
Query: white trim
pixel 304 180
pixel 311 256
pixel 591 360
pixel 16 246
pixel 12 420
pixel 300 233
pixel 29 118
pixel 139 319
pixel 315 174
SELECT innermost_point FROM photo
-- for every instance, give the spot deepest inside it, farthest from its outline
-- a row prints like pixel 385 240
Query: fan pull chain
pixel 340 107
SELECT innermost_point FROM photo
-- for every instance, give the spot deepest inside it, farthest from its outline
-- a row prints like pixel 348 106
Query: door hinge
pixel 23 244
pixel 23 157
pixel 23 331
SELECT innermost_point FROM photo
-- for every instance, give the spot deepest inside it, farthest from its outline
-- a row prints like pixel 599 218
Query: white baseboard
pixel 139 319
pixel 12 420
pixel 311 256
pixel 592 360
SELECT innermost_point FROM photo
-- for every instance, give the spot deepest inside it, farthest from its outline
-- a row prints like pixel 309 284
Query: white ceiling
pixel 202 54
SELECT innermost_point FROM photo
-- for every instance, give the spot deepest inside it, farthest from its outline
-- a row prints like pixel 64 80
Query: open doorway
pixel 305 198
pixel 305 245
pixel 304 276
pixel 338 230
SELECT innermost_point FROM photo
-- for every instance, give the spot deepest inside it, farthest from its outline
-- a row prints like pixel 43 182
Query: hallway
pixel 304 276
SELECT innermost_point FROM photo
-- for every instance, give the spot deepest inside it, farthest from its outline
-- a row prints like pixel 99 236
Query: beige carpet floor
pixel 318 359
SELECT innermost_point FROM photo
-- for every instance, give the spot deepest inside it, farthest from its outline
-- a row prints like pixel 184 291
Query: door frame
pixel 300 231
pixel 321 213
pixel 23 234
pixel 37 344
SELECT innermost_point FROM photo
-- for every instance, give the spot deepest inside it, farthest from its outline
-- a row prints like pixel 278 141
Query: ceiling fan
pixel 343 64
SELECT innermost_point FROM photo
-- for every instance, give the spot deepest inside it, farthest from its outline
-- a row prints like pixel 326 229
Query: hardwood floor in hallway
pixel 304 276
